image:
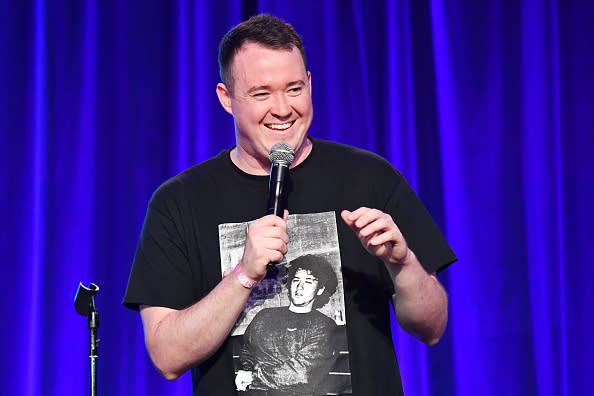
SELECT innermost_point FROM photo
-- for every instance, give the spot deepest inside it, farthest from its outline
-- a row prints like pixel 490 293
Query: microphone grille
pixel 281 152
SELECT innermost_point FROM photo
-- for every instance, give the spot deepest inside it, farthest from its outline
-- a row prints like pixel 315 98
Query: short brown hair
pixel 263 29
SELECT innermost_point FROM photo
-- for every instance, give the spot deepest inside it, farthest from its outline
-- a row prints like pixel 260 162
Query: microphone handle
pixel 276 190
pixel 276 194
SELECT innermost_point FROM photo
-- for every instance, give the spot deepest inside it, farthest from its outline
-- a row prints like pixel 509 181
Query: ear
pixel 224 97
pixel 309 79
pixel 321 291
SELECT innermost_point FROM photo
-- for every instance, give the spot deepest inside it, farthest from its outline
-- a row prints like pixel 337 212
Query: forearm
pixel 420 302
pixel 180 339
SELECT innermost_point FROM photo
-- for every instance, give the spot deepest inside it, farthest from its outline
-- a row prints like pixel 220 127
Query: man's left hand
pixel 378 234
pixel 419 301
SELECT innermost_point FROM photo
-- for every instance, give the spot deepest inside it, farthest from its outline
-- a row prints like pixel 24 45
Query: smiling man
pixel 388 249
pixel 269 97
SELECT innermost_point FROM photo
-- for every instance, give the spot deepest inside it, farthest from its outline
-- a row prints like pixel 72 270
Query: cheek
pixel 303 105
pixel 311 290
pixel 249 112
pixel 257 112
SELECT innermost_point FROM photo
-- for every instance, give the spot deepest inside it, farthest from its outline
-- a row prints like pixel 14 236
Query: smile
pixel 280 127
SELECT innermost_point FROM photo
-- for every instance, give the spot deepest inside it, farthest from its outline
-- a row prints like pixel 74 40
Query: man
pixel 290 350
pixel 188 310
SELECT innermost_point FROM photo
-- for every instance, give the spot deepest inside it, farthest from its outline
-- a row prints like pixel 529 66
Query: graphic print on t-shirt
pixel 291 337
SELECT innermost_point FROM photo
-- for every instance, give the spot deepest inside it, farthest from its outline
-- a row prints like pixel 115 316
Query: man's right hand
pixel 266 242
pixel 180 339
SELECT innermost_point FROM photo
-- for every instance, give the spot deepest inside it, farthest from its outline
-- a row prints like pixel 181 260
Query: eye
pixel 295 91
pixel 260 95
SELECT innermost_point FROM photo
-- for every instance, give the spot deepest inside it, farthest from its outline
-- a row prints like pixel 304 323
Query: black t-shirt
pixel 178 260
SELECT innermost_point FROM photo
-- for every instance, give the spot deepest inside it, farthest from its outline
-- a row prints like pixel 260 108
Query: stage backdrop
pixel 487 108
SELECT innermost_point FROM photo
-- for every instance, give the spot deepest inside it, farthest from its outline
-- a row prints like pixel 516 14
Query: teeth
pixel 280 127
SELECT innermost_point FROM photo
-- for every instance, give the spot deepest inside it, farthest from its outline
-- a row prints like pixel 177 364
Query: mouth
pixel 280 127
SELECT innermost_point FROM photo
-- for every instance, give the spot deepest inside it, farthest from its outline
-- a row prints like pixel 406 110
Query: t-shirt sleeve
pixel 418 228
pixel 161 273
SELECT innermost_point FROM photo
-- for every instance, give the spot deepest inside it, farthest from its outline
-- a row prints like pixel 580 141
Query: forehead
pixel 304 274
pixel 256 64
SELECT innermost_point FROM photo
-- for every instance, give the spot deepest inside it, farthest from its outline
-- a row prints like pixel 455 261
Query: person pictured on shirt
pixel 390 248
pixel 290 350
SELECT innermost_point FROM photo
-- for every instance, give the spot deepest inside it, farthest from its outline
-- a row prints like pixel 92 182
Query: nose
pixel 280 106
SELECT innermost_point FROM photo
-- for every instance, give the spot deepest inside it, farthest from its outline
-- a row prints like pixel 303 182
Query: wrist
pixel 245 280
pixel 396 265
pixel 399 260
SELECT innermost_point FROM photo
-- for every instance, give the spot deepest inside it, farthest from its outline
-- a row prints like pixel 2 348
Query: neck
pixel 261 166
pixel 304 309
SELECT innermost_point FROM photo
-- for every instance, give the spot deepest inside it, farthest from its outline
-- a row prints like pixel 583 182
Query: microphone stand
pixel 84 303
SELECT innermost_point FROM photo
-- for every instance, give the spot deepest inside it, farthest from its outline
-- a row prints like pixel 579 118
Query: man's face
pixel 270 100
pixel 304 288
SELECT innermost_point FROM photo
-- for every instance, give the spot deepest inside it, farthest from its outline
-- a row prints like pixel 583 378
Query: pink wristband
pixel 245 281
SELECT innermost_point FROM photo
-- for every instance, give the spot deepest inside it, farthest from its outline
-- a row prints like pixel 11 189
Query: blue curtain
pixel 486 107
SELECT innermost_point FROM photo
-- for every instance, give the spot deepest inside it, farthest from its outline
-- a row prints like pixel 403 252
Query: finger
pixel 368 217
pixel 381 224
pixel 269 232
pixel 274 221
pixel 274 244
pixel 354 215
pixel 362 216
pixel 256 259
pixel 381 238
pixel 274 255
pixel 265 251
pixel 345 214
pixel 282 222
pixel 277 257
pixel 267 221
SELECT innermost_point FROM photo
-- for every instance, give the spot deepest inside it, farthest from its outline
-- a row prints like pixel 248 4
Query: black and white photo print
pixel 291 337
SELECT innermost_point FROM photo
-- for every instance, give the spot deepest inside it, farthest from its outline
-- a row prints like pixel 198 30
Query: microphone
pixel 281 155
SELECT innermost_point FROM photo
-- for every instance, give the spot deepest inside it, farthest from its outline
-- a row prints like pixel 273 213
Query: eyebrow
pixel 308 277
pixel 269 88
